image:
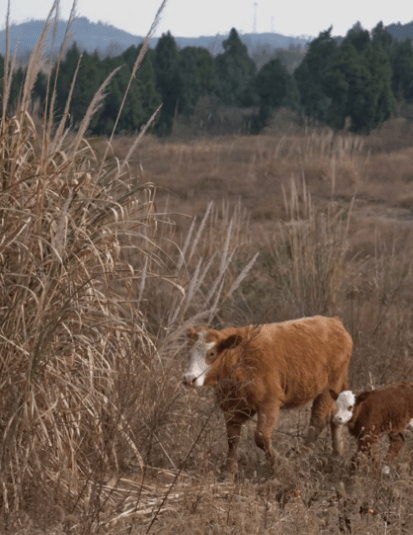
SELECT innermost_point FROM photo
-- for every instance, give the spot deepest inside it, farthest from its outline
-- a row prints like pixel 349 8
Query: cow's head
pixel 207 346
pixel 344 407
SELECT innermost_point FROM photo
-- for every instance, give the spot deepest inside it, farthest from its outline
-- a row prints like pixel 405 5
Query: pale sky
pixel 191 18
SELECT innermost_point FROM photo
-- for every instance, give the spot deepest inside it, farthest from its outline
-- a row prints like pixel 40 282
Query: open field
pixel 331 218
pixel 108 255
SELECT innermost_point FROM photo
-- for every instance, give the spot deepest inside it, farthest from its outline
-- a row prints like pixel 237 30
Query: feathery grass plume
pixel 49 106
pixel 59 136
pixel 308 261
pixel 136 65
pixel 7 73
pixel 95 104
pixel 37 61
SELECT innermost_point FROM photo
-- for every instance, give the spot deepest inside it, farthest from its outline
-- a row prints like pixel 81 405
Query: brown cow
pixel 371 413
pixel 275 366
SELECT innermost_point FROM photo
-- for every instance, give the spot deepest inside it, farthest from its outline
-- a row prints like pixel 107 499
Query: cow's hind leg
pixel 321 411
pixel 267 416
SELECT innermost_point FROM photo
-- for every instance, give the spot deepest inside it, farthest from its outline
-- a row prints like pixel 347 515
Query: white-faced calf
pixel 371 413
pixel 260 370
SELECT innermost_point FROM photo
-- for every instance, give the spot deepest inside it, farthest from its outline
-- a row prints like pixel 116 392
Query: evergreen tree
pixel 344 83
pixel 381 36
pixel 168 81
pixel 310 76
pixel 358 37
pixel 88 80
pixel 402 66
pixel 359 85
pixel 198 77
pixel 275 87
pixel 141 101
pixel 235 69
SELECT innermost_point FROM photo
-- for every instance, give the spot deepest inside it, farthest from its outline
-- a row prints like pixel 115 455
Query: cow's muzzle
pixel 189 380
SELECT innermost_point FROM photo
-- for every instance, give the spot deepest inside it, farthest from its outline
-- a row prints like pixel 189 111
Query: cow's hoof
pixel 225 476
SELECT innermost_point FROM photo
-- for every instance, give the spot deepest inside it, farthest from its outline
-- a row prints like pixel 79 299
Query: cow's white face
pixel 202 355
pixel 344 405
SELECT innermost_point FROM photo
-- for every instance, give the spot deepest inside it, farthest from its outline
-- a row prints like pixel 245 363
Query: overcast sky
pixel 209 17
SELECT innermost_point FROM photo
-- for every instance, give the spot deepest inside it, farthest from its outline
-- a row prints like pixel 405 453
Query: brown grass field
pixel 110 251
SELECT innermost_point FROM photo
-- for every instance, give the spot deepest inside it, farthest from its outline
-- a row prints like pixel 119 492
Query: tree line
pixel 361 76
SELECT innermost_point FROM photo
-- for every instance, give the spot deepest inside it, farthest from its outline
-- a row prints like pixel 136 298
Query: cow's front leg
pixel 234 425
pixel 267 417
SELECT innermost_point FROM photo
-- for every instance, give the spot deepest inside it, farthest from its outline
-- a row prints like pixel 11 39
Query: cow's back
pixel 304 357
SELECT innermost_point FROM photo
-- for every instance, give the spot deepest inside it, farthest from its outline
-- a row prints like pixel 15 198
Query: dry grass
pixel 100 278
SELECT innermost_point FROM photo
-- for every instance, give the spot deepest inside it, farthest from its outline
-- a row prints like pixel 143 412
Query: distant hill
pixel 108 40
pixel 401 31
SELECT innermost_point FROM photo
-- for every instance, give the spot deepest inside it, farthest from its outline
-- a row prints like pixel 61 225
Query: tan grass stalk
pixel 95 104
pixel 59 137
pixel 136 65
pixel 63 47
pixel 37 61
pixel 7 74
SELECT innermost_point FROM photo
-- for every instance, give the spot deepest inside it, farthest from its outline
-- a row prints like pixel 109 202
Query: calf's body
pixel 372 413
pixel 260 370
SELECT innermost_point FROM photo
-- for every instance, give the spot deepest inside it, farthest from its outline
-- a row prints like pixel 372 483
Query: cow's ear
pixel 230 342
pixel 333 394
pixel 192 334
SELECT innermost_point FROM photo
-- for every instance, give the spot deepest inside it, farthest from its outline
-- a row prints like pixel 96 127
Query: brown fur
pixel 276 366
pixel 386 410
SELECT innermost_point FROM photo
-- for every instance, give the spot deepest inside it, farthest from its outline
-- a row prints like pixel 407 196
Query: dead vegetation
pixel 100 277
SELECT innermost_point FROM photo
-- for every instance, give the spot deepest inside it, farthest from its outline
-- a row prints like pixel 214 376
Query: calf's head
pixel 345 402
pixel 207 346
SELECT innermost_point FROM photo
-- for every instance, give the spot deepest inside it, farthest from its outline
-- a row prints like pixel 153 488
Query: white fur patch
pixel 344 406
pixel 385 470
pixel 410 425
pixel 198 367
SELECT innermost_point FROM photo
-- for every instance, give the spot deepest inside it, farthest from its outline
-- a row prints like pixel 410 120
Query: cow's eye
pixel 350 408
pixel 212 353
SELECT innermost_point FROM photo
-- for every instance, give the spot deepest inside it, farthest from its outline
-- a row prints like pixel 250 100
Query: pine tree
pixel 310 76
pixel 198 77
pixel 381 36
pixel 358 37
pixel 402 66
pixel 275 87
pixel 168 81
pixel 359 85
pixel 235 69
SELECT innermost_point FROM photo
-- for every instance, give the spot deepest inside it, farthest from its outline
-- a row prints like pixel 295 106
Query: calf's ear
pixel 333 394
pixel 230 342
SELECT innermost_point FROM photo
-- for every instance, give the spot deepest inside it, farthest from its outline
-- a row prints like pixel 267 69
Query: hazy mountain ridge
pixel 107 39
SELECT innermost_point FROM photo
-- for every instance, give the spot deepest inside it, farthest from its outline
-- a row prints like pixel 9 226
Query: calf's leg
pixel 396 442
pixel 337 435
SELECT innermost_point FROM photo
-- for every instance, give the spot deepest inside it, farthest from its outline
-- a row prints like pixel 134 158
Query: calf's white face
pixel 201 355
pixel 344 406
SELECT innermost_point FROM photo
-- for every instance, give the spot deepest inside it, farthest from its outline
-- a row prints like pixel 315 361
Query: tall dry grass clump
pixel 87 376
pixel 307 258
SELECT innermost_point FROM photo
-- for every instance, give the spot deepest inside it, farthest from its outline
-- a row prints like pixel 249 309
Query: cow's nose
pixel 189 380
